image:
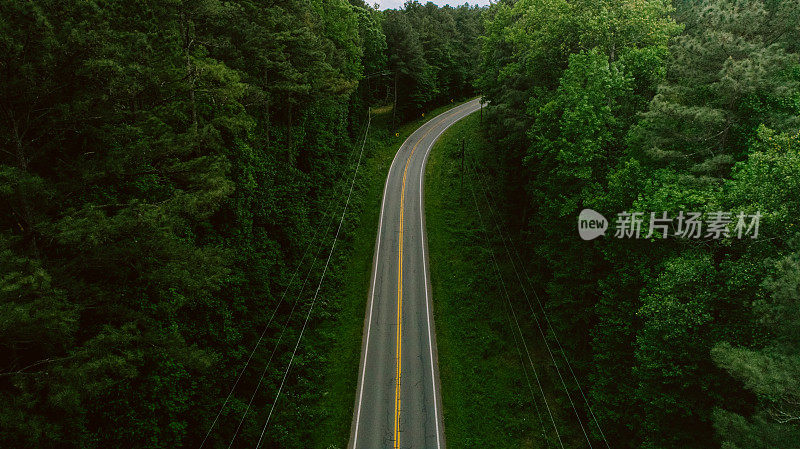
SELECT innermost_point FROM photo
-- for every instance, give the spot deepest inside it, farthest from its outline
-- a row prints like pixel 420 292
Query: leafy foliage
pixel 641 106
pixel 163 168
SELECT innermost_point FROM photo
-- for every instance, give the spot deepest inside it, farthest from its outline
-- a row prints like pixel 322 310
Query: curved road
pixel 398 402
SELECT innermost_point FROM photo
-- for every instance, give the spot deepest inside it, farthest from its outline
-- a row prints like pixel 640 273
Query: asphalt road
pixel 398 400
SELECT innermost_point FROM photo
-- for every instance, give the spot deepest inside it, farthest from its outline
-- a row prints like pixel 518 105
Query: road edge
pixel 371 292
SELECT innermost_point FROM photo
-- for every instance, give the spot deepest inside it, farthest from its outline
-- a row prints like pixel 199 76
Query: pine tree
pixel 730 72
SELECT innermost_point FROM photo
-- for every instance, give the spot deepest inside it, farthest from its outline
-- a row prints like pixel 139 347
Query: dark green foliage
pixel 614 106
pixel 729 74
pixel 432 54
pixel 487 401
pixel 770 370
pixel 163 166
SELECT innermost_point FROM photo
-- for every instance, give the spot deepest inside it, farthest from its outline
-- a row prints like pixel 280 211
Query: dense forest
pixel 166 168
pixel 654 106
pixel 171 172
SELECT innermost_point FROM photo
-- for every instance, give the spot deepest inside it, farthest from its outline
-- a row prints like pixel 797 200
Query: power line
pixel 516 320
pixel 275 348
pixel 319 285
pixel 329 214
pixel 258 343
pixel 541 331
pixel 544 314
pixel 527 378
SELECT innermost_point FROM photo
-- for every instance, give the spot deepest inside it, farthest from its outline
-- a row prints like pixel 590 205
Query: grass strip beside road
pixel 353 272
pixel 486 400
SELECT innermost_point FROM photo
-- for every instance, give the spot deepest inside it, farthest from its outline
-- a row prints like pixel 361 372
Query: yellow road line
pixel 399 318
pixel 400 288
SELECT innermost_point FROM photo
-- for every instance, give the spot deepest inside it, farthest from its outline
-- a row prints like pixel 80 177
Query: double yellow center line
pixel 400 288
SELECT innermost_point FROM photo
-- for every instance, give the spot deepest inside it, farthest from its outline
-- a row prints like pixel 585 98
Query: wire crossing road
pixel 398 402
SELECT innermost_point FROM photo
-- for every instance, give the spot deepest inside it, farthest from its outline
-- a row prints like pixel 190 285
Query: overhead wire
pixel 496 221
pixel 541 331
pixel 329 214
pixel 527 377
pixel 319 285
pixel 275 348
pixel 258 342
pixel 516 320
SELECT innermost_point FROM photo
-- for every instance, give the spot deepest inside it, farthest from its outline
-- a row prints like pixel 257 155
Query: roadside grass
pixel 353 271
pixel 487 401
